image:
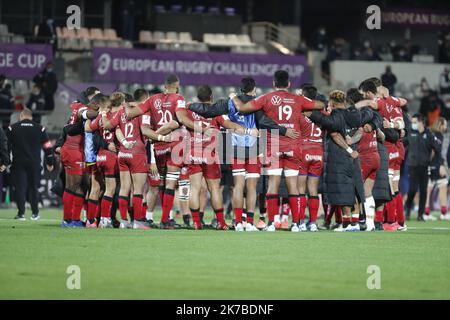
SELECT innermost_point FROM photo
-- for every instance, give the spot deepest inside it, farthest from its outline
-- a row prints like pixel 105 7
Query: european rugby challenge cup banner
pixel 194 68
pixel 24 61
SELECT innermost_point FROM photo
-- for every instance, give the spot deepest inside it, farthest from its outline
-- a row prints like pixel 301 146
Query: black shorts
pixel 227 175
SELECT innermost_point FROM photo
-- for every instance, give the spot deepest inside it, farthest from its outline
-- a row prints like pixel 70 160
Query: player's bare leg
pixel 379 215
pixel 346 219
pixel 94 196
pixel 203 200
pixel 262 211
pixel 152 197
pixel 250 202
pixel 298 223
pixel 313 202
pixel 369 204
pixel 237 199
pixel 124 195
pixel 138 181
pixel 398 202
pixel 172 176
pixel 217 202
pixel 73 199
pixel 195 181
pixel 107 200
pixel 302 181
pixel 273 199
pixel 183 197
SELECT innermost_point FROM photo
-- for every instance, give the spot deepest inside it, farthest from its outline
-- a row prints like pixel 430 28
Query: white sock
pixel 276 218
pixel 149 215
pixel 369 208
pixel 171 215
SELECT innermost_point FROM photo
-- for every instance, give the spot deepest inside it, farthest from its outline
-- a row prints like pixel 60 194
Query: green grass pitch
pixel 184 264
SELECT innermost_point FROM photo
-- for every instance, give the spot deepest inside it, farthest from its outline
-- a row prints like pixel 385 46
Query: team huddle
pixel 288 152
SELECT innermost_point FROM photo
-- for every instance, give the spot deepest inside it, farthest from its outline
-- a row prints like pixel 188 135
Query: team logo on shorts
pixel 157 104
pixel 276 100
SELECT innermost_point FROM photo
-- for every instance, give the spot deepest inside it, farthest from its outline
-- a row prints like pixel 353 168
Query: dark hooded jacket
pixel 342 176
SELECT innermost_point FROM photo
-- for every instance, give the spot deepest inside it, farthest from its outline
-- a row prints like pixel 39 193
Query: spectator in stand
pixel 432 107
pixel 444 47
pixel 46 79
pixel 389 80
pixel 46 32
pixel 320 39
pixel 444 81
pixel 6 101
pixel 424 87
pixel 36 102
pixel 335 53
pixel 369 53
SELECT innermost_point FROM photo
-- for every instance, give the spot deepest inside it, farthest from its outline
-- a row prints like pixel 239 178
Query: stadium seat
pixel 126 44
pixel 83 33
pixel 163 46
pixel 70 44
pixel 113 44
pixel 176 8
pixel 159 36
pixel 69 33
pixel 97 34
pixel 149 87
pixel 3 29
pixel 229 11
pixel 218 92
pixel 189 92
pixel 18 39
pixel 84 44
pixel 21 87
pixel 159 9
pixel 232 39
pixel 59 32
pixel 214 10
pixel 111 34
pixel 98 43
pixel 145 36
pixel 185 37
pixel 199 9
pixel 172 36
pixel 244 39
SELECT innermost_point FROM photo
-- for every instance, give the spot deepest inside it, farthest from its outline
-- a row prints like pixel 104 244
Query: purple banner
pixel 194 68
pixel 24 61
pixel 415 18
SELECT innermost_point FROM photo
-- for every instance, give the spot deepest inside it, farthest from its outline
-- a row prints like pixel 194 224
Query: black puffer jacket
pixel 342 177
pixel 382 190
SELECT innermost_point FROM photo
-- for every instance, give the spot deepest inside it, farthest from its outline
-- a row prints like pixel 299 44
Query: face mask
pixel 415 126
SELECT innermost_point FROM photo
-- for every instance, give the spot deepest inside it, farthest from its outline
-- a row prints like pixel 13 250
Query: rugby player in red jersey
pixel 161 110
pixel 132 160
pixel 368 153
pixel 285 109
pixel 311 162
pixel 390 109
pixel 72 158
pixel 203 158
pixel 107 167
pixel 153 182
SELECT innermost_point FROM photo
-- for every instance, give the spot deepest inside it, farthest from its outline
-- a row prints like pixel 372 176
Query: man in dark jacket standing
pixel 421 144
pixel 47 81
pixel 25 141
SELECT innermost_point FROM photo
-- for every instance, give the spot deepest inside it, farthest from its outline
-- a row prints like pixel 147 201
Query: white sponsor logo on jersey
pixel 276 100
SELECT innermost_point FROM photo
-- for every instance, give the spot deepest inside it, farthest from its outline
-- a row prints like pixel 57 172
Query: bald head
pixel 26 114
